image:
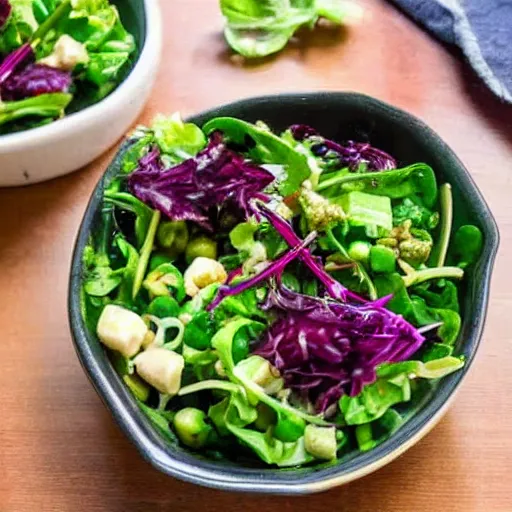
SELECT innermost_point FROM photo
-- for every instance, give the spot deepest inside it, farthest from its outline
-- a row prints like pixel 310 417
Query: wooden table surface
pixel 61 451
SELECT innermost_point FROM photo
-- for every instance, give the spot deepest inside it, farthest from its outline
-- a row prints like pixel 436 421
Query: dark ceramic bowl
pixel 339 116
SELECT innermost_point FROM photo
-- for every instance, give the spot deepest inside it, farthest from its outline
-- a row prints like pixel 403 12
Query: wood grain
pixel 59 448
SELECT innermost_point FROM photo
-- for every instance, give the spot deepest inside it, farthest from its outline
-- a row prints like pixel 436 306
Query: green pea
pixel 240 349
pixel 191 427
pixel 360 251
pixel 173 236
pixel 164 307
pixel 289 428
pixel 201 246
pixel 382 259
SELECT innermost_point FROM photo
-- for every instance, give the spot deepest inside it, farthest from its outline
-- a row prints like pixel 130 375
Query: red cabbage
pixel 273 269
pixel 5 11
pixel 34 80
pixel 335 289
pixel 14 60
pixel 351 155
pixel 325 348
pixel 188 190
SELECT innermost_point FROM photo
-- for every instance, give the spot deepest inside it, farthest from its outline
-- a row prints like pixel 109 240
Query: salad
pixel 281 297
pixel 56 57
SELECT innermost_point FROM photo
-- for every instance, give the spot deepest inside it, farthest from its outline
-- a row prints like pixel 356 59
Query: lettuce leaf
pixel 19 24
pixel 257 28
pixel 176 139
pixel 45 105
pixel 393 386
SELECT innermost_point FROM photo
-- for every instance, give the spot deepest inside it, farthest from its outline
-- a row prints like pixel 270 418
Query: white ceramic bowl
pixel 76 140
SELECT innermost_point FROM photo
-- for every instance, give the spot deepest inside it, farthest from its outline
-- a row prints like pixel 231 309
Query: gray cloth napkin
pixel 482 29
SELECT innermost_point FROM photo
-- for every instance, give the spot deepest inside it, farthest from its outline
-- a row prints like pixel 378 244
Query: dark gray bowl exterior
pixel 340 116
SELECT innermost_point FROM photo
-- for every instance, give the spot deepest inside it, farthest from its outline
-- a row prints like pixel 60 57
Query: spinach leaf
pixel 436 351
pixel 467 245
pixel 369 435
pixel 441 294
pixel 101 280
pixel 265 147
pixel 234 413
pixel 130 203
pixel 449 331
pixel 393 284
pixel 138 148
pixel 416 181
pixel 124 295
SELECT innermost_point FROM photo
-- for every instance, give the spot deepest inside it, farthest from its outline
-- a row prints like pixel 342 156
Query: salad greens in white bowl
pixel 74 75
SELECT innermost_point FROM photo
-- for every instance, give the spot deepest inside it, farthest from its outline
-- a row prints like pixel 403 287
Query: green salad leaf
pixel 257 28
pixel 50 105
pixel 393 386
pixel 415 181
pixel 177 139
pixel 20 26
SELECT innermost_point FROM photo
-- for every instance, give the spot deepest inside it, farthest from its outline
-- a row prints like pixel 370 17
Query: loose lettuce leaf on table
pixel 257 28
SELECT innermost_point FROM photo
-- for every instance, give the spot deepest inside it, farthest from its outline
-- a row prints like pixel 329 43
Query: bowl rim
pixel 72 123
pixel 147 442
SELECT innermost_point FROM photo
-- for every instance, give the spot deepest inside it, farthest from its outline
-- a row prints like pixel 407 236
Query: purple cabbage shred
pixel 334 288
pixel 34 80
pixel 5 12
pixel 21 56
pixel 188 190
pixel 325 348
pixel 351 155
pixel 273 269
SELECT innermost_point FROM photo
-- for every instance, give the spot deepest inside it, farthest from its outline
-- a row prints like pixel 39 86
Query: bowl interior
pixel 340 116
